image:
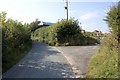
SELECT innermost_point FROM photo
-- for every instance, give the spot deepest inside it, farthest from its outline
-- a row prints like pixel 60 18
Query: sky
pixel 90 13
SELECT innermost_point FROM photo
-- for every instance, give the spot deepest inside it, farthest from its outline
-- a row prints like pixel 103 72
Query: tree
pixel 2 18
pixel 34 25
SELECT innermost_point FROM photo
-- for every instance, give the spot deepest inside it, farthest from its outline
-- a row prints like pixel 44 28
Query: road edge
pixel 75 70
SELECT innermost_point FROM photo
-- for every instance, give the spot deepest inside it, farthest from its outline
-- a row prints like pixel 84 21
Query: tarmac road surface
pixel 42 61
pixel 45 61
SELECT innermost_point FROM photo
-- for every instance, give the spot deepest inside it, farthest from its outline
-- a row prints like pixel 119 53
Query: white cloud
pixel 88 16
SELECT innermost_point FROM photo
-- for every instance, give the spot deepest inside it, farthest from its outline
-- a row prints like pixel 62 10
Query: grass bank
pixel 15 56
pixel 104 64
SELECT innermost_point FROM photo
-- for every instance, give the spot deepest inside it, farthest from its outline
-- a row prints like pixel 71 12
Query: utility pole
pixel 66 8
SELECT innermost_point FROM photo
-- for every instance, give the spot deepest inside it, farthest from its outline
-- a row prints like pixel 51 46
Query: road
pixel 42 61
pixel 78 57
pixel 45 61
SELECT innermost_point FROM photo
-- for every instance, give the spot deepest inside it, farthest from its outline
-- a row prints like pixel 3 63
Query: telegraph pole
pixel 66 8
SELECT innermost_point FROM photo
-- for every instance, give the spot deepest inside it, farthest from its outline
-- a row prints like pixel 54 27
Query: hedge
pixel 16 40
pixel 62 33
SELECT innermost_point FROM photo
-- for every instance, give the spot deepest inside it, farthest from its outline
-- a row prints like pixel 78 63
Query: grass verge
pixel 15 56
pixel 104 64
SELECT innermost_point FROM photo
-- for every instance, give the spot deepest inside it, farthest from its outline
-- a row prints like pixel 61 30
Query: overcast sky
pixel 89 12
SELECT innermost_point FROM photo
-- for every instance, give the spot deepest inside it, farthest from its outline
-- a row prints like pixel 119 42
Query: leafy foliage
pixel 96 35
pixel 15 40
pixel 44 34
pixel 105 63
pixel 67 32
pixel 64 32
pixel 113 19
pixel 34 25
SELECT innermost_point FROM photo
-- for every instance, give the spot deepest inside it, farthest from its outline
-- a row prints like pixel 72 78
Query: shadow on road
pixel 42 61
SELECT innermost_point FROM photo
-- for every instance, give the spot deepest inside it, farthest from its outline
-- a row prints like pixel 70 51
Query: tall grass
pixel 104 64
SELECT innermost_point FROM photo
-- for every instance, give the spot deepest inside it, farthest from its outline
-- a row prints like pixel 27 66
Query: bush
pixel 61 33
pixel 68 32
pixel 94 37
pixel 91 41
pixel 15 40
pixel 113 20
